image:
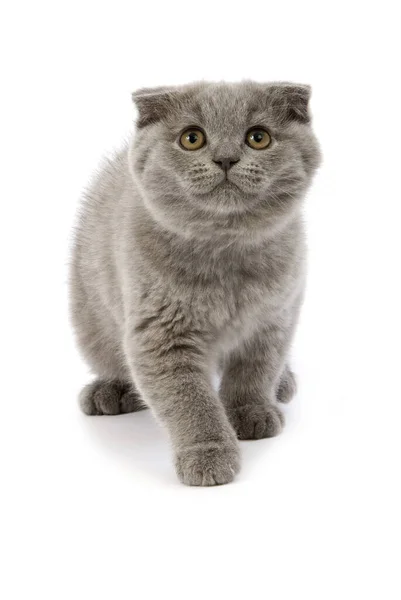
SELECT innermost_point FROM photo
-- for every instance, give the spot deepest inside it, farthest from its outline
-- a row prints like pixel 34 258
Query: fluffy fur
pixel 180 269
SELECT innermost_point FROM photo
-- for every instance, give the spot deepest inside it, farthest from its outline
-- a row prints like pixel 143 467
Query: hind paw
pixel 257 421
pixel 109 398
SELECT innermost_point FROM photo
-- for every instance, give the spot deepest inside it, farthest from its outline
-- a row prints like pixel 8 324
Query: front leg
pixel 171 371
pixel 251 378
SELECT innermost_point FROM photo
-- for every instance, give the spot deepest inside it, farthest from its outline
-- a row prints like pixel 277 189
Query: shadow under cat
pixel 137 440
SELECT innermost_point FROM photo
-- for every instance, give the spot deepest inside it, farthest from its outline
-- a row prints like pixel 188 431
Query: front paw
pixel 257 421
pixel 208 463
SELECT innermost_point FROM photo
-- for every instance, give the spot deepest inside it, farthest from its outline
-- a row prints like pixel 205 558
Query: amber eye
pixel 192 139
pixel 258 139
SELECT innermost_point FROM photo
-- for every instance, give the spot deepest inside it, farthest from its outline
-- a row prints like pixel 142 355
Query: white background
pixel 91 506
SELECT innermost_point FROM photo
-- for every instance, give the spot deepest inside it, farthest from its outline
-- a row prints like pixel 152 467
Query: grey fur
pixel 178 271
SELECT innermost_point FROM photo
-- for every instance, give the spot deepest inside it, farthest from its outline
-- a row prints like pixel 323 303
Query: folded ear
pixel 153 104
pixel 291 101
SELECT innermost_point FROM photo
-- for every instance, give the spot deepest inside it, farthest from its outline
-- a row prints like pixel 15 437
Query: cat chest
pixel 233 310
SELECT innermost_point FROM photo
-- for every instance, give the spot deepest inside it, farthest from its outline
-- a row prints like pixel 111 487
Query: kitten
pixel 189 258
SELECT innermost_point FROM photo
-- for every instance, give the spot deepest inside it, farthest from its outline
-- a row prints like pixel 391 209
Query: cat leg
pixel 110 397
pixel 287 386
pixel 252 374
pixel 172 371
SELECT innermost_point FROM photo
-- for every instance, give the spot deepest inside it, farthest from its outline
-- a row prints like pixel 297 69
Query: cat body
pixel 191 261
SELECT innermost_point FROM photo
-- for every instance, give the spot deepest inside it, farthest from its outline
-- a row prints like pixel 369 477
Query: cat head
pixel 227 157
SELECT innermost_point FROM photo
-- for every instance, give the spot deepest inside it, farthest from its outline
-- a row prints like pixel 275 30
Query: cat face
pixel 223 155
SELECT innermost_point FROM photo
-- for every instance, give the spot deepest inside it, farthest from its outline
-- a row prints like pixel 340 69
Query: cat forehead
pixel 218 103
pixel 215 94
pixel 224 108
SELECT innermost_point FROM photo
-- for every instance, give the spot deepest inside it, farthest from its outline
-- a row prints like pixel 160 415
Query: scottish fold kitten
pixel 189 258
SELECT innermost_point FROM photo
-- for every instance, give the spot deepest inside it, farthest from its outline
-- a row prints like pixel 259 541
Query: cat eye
pixel 258 139
pixel 192 139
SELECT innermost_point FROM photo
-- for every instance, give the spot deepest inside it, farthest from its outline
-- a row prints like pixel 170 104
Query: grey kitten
pixel 189 259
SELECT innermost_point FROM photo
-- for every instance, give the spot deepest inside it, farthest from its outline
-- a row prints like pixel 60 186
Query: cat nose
pixel 226 163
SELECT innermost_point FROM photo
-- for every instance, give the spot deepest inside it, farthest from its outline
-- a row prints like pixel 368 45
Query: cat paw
pixel 109 398
pixel 257 421
pixel 287 386
pixel 208 463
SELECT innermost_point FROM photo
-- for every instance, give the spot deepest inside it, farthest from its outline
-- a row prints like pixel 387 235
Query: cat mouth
pixel 224 185
pixel 227 184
